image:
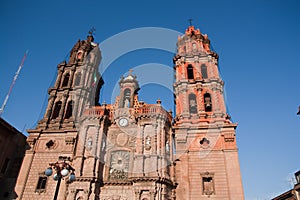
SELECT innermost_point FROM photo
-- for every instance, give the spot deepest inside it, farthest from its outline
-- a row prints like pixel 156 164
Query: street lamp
pixel 62 169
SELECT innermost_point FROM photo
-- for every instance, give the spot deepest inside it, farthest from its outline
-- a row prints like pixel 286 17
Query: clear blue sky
pixel 257 41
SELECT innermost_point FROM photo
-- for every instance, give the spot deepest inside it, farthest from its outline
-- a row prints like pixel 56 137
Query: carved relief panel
pixel 119 165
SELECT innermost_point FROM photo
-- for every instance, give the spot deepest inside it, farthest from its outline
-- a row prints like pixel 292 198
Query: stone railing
pixel 146 110
pixel 95 111
pixel 153 110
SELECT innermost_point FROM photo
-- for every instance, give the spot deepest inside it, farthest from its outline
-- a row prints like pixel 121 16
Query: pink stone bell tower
pixel 207 164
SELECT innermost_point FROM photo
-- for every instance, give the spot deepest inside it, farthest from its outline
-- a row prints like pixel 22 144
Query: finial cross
pixel 130 71
pixel 92 30
pixel 190 20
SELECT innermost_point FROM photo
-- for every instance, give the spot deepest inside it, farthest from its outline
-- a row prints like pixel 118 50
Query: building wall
pixel 13 145
pixel 292 194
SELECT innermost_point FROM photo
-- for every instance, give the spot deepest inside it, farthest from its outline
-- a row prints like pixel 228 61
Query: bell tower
pixel 60 134
pixel 207 162
pixel 77 86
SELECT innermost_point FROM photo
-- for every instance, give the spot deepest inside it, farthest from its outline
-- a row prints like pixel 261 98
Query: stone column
pixel 71 195
pixel 155 146
pixel 63 105
pixel 210 68
pixel 162 153
pixel 215 100
pixel 152 194
pixel 78 159
pixel 183 70
pixel 71 76
pixel 185 103
pixel 164 192
pixel 95 143
pixel 83 76
pixel 50 106
pixel 176 72
pixel 159 146
pixel 59 76
pixel 200 102
pixel 86 194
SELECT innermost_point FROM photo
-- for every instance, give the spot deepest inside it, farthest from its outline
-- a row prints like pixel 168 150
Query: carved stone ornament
pixel 204 143
pixel 31 141
pixel 122 139
pixel 114 197
pixel 51 144
pixel 118 174
pixel 119 165
pixel 69 140
pixel 229 137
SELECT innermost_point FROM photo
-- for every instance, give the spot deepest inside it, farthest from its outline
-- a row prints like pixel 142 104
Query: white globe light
pixel 48 171
pixel 55 177
pixel 72 177
pixel 64 172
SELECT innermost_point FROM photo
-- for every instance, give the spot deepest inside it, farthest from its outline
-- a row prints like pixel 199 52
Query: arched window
pixel 204 71
pixel 208 185
pixel 56 110
pixel 69 110
pixel 126 99
pixel 193 103
pixel 207 102
pixel 66 80
pixel 77 79
pixel 190 72
pixel 79 55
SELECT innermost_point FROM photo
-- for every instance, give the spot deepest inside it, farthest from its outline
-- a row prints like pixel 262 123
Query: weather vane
pixel 190 20
pixel 92 30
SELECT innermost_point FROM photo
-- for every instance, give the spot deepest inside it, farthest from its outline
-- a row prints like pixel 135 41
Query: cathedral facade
pixel 131 150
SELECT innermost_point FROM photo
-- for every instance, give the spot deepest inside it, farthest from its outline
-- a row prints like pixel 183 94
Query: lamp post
pixel 62 169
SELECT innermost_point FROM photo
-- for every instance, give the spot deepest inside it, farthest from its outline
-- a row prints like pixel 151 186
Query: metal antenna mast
pixel 13 83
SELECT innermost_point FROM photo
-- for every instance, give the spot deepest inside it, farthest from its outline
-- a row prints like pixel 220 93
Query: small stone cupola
pixel 129 87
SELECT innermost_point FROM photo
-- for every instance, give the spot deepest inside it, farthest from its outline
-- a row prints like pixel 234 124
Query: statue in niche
pixel 148 143
pixel 167 147
pixel 126 103
pixel 148 140
pixel 89 143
